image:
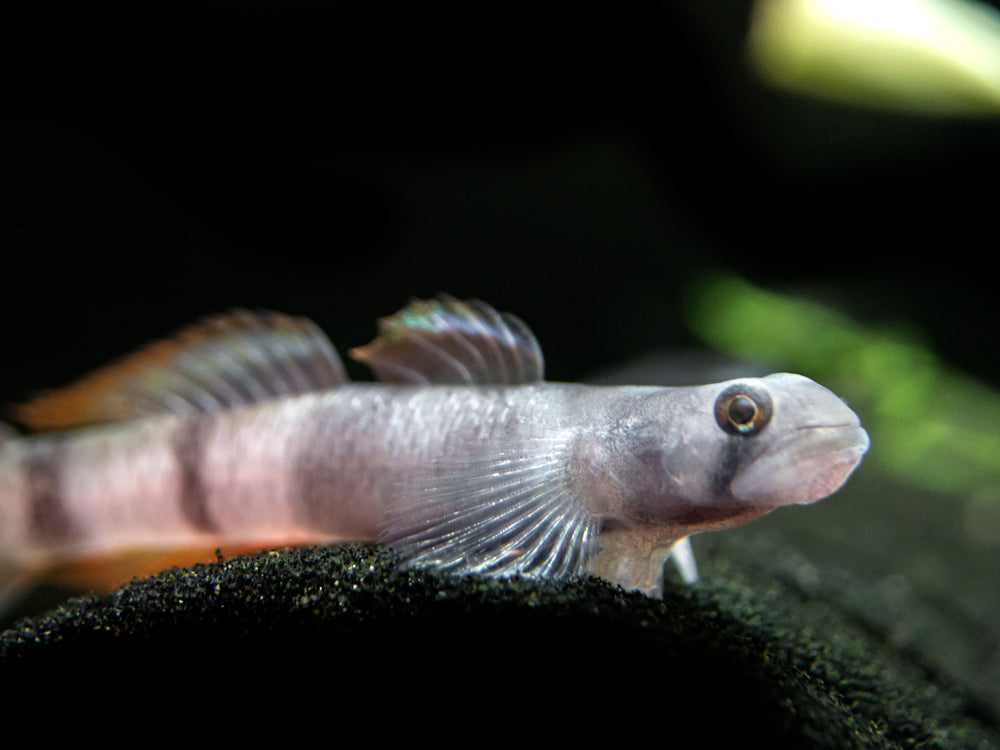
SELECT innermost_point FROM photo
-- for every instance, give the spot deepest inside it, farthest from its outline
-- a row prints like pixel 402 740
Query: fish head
pixel 808 448
pixel 723 454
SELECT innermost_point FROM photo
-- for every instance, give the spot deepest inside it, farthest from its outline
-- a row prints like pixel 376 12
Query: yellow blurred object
pixel 922 56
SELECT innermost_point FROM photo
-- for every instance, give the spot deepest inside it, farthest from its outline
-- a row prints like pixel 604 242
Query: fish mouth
pixel 811 463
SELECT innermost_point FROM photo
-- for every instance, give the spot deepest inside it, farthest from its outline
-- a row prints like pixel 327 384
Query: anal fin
pixel 102 572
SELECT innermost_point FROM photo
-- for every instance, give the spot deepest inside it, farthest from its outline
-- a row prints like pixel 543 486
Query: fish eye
pixel 742 409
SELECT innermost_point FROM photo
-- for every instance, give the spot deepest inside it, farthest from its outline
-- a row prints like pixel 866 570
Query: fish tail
pixel 15 579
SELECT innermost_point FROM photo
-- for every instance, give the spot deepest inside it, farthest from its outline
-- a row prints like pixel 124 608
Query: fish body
pixel 243 432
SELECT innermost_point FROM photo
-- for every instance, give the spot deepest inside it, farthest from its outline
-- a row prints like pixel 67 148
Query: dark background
pixel 158 163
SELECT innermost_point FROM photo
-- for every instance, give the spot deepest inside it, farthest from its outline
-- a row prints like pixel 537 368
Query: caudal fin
pixel 14 580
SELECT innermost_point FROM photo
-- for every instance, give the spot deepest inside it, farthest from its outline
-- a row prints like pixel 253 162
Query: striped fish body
pixel 242 431
pixel 311 468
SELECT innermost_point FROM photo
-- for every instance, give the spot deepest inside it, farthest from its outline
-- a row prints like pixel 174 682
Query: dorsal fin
pixel 445 340
pixel 221 362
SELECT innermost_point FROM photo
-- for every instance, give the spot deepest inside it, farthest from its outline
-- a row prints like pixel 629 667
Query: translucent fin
pixel 445 340
pixel 509 513
pixel 221 362
pixel 683 556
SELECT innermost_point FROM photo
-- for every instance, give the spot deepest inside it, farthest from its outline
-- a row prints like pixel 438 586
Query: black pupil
pixel 742 410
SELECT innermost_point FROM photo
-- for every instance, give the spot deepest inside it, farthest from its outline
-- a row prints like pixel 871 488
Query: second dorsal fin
pixel 445 340
pixel 228 360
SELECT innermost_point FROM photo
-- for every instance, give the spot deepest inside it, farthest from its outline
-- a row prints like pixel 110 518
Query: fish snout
pixel 810 464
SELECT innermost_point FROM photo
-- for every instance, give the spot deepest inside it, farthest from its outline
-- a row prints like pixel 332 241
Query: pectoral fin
pixel 505 514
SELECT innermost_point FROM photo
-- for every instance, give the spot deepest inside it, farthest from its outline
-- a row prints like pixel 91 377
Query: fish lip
pixel 841 428
pixel 811 462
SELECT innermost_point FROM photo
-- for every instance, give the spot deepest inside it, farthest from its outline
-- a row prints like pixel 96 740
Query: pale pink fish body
pixel 241 431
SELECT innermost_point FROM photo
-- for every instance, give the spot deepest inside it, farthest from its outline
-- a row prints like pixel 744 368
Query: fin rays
pixel 241 358
pixel 512 515
pixel 445 340
pixel 224 361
